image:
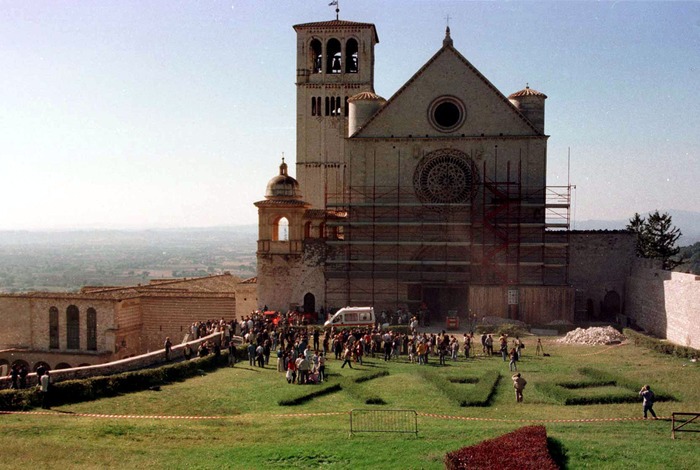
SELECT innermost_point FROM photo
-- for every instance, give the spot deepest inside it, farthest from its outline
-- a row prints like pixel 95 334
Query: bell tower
pixel 335 60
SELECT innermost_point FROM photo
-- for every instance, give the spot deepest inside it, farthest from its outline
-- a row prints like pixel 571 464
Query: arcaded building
pixel 434 200
pixel 102 324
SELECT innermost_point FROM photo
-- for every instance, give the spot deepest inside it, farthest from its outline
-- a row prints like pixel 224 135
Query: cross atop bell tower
pixel 335 61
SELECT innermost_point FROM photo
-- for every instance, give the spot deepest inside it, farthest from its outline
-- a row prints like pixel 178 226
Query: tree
pixel 656 238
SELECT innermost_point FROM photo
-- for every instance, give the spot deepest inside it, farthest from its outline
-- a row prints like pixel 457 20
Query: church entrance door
pixel 309 303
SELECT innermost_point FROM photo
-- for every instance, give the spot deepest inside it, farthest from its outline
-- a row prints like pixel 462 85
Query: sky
pixel 168 114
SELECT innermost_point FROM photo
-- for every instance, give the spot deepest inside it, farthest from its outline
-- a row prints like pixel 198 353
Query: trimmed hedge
pixel 479 395
pixel 348 384
pixel 75 391
pixel 660 346
pixel 316 392
pixel 562 392
pixel 526 447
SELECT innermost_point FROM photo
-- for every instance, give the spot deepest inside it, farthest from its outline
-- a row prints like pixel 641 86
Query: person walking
pixel 44 382
pixel 519 385
pixel 648 401
pixel 348 357
pixel 539 349
pixel 513 364
pixel 168 345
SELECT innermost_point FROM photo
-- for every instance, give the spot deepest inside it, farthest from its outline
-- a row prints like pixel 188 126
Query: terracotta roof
pixel 367 96
pixel 159 288
pixel 337 24
pixel 280 202
pixel 527 91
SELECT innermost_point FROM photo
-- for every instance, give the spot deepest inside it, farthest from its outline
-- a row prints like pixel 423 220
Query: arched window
pixel 322 230
pixel 41 364
pixel 316 56
pixel 351 58
pixel 91 329
pixel 346 107
pixel 313 106
pixel 280 230
pixel 328 106
pixel 307 230
pixel 334 63
pixel 72 327
pixel 318 106
pixel 53 328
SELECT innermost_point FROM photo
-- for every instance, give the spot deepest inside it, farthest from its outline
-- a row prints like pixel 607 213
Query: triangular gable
pixel 489 112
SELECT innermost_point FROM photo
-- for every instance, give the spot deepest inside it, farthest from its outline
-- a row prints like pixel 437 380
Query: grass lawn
pixel 256 432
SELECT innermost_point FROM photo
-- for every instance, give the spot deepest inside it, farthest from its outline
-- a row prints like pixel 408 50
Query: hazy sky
pixel 135 114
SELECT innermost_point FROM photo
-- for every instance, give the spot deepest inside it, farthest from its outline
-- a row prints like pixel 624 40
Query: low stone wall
pixel 666 304
pixel 151 359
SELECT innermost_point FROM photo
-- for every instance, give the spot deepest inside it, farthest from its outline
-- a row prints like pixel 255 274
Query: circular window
pixel 445 176
pixel 446 113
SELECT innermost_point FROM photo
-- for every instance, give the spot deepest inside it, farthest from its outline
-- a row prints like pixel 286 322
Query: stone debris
pixel 593 335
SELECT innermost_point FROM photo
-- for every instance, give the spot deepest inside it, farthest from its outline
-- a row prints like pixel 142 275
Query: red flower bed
pixel 524 448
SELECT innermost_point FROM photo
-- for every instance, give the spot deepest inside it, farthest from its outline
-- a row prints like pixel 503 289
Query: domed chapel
pixel 434 200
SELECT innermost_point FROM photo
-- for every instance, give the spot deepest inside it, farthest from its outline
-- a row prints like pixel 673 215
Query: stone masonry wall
pixel 666 304
pixel 124 365
pixel 173 316
pixel 599 262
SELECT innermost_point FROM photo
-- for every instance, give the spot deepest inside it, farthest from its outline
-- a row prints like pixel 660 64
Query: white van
pixel 352 316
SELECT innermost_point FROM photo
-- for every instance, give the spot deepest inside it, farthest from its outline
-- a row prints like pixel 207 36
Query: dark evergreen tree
pixel 656 238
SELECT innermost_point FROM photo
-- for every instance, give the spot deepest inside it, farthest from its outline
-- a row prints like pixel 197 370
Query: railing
pixel 401 421
pixel 678 428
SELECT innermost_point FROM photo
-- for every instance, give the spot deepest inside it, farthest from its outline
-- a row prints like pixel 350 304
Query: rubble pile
pixel 593 335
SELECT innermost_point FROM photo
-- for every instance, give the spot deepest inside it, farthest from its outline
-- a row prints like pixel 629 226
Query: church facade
pixel 434 200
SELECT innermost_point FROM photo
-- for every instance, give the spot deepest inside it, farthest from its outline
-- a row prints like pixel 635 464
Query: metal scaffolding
pixel 392 250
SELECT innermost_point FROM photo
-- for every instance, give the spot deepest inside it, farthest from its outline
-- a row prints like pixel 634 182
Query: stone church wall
pixel 664 303
pixel 599 264
pixel 283 282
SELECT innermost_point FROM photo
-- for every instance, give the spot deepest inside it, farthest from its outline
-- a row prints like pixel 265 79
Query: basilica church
pixel 434 200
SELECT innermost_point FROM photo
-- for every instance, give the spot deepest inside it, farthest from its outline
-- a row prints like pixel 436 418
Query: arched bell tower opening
pixel 316 53
pixel 335 60
pixel 334 57
pixel 280 230
pixel 351 56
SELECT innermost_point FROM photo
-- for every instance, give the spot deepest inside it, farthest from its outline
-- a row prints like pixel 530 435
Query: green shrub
pixel 479 395
pixel 555 392
pixel 372 376
pixel 586 384
pixel 621 381
pixel 660 346
pixel 563 393
pixel 19 399
pixel 310 393
pixel 74 391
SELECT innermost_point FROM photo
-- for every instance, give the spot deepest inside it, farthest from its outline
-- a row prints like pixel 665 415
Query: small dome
pixel 283 185
pixel 366 96
pixel 527 91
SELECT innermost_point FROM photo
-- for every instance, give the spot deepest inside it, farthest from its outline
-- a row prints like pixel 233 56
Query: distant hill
pixel 243 234
pixel 687 221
